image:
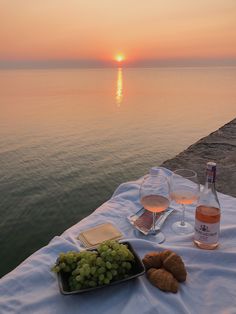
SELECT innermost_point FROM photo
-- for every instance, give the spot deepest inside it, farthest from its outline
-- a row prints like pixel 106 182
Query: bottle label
pixel 206 233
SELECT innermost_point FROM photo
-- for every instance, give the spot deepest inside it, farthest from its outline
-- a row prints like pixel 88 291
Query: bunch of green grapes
pixel 112 261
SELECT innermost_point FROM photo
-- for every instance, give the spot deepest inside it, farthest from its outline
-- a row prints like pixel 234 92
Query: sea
pixel 69 137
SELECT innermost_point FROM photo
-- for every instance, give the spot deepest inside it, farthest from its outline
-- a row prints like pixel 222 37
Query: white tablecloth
pixel 210 286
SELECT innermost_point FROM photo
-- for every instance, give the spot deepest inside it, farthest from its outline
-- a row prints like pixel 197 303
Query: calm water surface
pixel 70 137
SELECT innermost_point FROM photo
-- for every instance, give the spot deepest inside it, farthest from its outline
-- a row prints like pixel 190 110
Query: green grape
pixel 56 269
pixel 74 259
pixel 99 261
pixel 83 261
pixel 73 266
pixel 72 279
pixel 82 272
pixel 79 278
pixel 76 271
pixel 101 270
pixel 93 258
pixel 103 263
pixel 112 243
pixel 87 272
pixel 69 257
pixel 78 286
pixel 103 255
pixel 109 275
pixel 110 262
pixel 115 266
pixel 62 256
pixel 125 253
pixel 86 283
pixel 96 274
pixel 128 265
pixel 117 258
pixel 109 258
pixel 114 272
pixel 108 265
pixel 106 281
pixel 116 246
pixel 62 265
pixel 69 261
pixel 104 247
pixel 113 253
pixel 92 283
pixel 66 269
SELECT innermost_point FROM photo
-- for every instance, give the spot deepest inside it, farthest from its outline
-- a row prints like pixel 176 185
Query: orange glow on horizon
pixel 153 31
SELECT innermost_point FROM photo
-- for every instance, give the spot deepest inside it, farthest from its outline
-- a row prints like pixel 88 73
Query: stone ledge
pixel 219 146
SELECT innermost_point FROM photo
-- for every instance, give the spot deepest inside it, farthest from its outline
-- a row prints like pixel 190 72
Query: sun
pixel 119 57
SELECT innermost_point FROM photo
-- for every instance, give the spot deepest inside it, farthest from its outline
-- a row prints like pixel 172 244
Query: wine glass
pixel 154 196
pixel 184 190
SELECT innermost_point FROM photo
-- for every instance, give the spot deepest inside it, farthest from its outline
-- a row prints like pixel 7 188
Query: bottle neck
pixel 211 176
pixel 209 196
pixel 210 185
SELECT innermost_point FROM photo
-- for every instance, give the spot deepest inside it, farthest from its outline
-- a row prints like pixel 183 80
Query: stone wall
pixel 219 146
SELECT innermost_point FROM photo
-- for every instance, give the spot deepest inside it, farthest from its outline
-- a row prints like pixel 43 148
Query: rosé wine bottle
pixel 207 215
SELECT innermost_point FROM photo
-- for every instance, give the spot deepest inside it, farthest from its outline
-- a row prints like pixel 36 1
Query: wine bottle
pixel 207 215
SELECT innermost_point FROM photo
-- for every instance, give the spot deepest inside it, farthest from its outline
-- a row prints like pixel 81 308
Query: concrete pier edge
pixel 219 146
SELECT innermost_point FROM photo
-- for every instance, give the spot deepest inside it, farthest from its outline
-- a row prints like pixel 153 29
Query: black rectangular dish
pixel 137 270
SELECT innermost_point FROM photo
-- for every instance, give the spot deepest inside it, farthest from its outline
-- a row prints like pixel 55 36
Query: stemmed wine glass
pixel 155 197
pixel 184 190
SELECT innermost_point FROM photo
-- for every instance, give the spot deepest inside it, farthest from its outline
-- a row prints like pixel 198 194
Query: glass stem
pixel 153 222
pixel 182 223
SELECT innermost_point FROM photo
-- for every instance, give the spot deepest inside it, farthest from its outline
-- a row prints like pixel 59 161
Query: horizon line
pixel 54 64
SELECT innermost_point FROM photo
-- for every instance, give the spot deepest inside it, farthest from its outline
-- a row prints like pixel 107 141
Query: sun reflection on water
pixel 119 87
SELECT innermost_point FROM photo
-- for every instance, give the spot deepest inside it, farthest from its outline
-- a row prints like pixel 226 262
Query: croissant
pixel 163 280
pixel 165 254
pixel 174 264
pixel 152 260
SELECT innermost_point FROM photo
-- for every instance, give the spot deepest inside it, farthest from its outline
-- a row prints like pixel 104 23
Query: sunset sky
pixel 94 32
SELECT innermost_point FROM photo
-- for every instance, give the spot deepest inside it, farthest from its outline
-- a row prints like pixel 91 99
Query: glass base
pixel 158 237
pixel 180 228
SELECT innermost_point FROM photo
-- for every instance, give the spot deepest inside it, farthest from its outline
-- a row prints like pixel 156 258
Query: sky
pixel 94 32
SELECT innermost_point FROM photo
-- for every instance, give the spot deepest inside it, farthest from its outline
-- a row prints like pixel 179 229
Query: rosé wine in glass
pixel 155 203
pixel 154 197
pixel 184 190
